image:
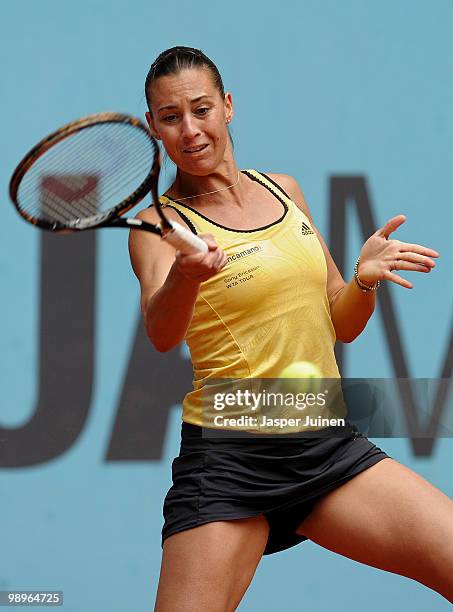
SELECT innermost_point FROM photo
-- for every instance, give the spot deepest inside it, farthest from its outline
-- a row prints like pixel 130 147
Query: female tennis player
pixel 265 295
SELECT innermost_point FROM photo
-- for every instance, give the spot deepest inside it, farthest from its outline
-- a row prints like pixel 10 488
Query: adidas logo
pixel 306 229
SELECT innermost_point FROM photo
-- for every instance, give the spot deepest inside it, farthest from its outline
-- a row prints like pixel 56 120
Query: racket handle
pixel 180 238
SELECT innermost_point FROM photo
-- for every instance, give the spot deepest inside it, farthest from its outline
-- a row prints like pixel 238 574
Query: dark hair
pixel 176 59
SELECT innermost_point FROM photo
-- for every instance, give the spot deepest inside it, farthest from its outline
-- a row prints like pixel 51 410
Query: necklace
pixel 215 191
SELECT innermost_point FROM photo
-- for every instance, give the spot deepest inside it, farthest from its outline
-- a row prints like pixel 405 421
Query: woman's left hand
pixel 380 256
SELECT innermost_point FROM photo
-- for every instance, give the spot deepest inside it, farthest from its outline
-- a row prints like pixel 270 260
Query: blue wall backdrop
pixel 321 89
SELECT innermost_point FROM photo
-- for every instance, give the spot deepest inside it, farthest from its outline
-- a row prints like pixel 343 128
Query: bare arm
pixel 169 281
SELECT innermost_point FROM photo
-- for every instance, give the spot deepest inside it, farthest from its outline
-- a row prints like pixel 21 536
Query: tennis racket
pixel 90 172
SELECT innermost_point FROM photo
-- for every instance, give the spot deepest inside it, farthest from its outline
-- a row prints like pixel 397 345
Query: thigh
pixel 389 517
pixel 208 568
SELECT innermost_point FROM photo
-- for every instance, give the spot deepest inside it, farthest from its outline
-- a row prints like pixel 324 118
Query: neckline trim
pixel 242 231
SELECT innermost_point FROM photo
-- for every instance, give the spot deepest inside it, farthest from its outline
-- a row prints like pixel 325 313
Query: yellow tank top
pixel 266 309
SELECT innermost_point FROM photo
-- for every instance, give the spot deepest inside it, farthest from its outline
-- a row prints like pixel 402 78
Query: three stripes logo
pixel 306 229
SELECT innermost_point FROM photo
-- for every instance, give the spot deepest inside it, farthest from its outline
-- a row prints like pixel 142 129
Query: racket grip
pixel 180 238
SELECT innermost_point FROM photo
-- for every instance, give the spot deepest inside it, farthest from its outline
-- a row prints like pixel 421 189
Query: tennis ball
pixel 304 377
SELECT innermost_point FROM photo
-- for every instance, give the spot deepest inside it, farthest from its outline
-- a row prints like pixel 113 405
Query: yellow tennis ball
pixel 304 377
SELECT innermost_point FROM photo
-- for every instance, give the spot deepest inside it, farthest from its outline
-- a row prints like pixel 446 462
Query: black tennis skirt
pixel 226 478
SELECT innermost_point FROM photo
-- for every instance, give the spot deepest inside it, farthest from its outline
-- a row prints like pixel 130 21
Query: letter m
pixel 352 190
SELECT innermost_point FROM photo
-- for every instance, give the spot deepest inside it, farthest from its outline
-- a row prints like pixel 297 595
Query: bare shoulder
pixel 151 257
pixel 147 251
pixel 291 187
pixel 148 243
pixel 284 180
pixel 151 216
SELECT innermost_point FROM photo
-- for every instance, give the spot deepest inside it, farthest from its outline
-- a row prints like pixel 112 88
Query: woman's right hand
pixel 199 267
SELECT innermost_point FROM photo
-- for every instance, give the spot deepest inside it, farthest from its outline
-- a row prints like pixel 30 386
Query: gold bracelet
pixel 364 287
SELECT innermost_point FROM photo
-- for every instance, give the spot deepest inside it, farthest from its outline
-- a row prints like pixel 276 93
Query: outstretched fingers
pixel 408 260
pixel 391 276
pixel 418 248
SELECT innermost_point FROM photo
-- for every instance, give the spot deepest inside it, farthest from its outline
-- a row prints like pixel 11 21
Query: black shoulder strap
pixel 276 185
pixel 276 190
pixel 182 215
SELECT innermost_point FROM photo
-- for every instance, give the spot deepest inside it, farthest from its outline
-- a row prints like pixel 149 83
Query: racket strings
pixel 133 177
pixel 81 151
pixel 57 208
pixel 108 141
pixel 89 201
pixel 82 207
pixel 89 157
pixel 88 173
